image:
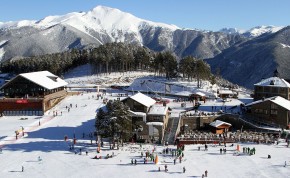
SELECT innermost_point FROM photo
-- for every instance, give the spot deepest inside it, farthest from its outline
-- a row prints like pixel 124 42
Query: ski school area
pixel 45 148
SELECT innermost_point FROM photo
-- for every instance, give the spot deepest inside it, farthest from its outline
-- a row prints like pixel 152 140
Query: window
pixel 274 106
pixel 267 89
pixel 259 88
pixel 274 90
pixel 265 111
pixel 274 112
pixel 258 111
pixel 283 90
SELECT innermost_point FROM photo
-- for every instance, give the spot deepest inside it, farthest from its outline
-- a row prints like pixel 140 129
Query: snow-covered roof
pixel 218 123
pixel 275 99
pixel 273 81
pixel 138 114
pixel 83 85
pixel 199 93
pixel 43 78
pixel 158 110
pixel 183 93
pixel 226 92
pixel 155 123
pixel 143 99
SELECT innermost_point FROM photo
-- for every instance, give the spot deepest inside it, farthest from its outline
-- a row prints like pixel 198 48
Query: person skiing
pixel 22 169
pixel 205 173
pixel 184 169
pixel 135 162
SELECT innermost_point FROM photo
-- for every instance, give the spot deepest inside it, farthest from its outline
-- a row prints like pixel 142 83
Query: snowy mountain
pixel 260 30
pixel 231 31
pixel 247 63
pixel 102 25
pixel 253 32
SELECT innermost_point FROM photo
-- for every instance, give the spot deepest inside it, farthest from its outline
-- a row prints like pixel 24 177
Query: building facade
pixel 148 120
pixel 32 93
pixel 273 86
pixel 273 111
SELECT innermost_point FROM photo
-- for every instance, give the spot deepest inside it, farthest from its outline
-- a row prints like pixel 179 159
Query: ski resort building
pixel 32 93
pixel 148 120
pixel 273 111
pixel 273 86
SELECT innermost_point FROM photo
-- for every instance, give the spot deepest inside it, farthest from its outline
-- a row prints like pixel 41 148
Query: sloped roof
pixel 43 78
pixel 275 99
pixel 143 99
pixel 158 110
pixel 199 93
pixel 273 81
pixel 218 123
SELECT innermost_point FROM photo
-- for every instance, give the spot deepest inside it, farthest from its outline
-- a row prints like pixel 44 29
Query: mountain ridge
pixel 234 50
pixel 105 25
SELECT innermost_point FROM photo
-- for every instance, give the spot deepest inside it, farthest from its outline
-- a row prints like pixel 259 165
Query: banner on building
pixel 22 101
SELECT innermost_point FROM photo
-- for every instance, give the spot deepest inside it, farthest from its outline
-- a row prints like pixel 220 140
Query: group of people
pixel 249 150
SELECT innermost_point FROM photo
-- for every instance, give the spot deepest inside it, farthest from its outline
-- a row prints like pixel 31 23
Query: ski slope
pixel 57 160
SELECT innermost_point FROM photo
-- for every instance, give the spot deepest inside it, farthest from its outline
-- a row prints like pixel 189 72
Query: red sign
pixel 22 101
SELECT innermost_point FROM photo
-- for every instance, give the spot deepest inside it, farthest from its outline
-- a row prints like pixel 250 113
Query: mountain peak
pixel 259 30
pixel 103 8
pixel 231 30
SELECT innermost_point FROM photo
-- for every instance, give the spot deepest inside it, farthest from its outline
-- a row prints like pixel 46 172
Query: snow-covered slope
pixel 257 31
pixel 102 19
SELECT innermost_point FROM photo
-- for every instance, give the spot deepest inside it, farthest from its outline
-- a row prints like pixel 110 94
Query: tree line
pixel 113 57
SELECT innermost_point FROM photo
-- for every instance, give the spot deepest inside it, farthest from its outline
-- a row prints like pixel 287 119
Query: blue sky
pixel 200 14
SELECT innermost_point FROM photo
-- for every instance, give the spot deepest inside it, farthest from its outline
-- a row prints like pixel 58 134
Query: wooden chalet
pixel 273 111
pixel 220 127
pixel 32 93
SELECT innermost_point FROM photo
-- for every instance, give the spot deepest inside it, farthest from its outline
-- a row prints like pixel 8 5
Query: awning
pixel 155 123
pixel 138 114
